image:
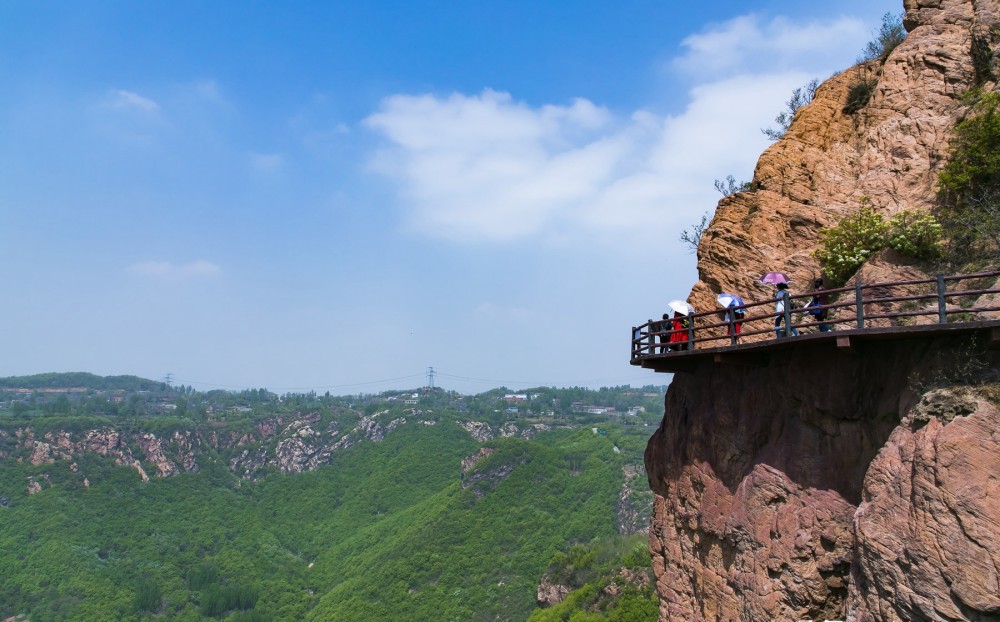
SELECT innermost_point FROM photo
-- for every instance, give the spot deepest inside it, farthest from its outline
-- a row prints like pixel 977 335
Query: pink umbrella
pixel 774 278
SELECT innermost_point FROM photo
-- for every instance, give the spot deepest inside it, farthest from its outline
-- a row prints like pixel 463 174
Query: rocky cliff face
pixel 890 151
pixel 818 484
pixel 823 485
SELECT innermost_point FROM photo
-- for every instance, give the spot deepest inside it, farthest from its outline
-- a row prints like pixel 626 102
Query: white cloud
pixel 166 270
pixel 747 43
pixel 487 167
pixel 129 100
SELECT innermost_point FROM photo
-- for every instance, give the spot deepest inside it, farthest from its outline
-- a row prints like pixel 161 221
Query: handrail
pixel 669 337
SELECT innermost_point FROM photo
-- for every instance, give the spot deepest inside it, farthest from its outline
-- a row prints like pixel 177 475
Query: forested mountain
pixel 299 509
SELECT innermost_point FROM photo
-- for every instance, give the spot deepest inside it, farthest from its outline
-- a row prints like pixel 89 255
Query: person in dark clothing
pixel 820 299
pixel 663 327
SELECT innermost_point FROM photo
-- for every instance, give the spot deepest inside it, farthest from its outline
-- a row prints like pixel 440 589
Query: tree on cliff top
pixel 888 37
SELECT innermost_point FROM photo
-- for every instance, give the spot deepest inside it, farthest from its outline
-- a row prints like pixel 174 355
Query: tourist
pixel 779 309
pixel 820 299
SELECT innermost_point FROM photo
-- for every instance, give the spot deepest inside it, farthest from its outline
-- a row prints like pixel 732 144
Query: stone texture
pixel 550 593
pixel 628 517
pixel 758 472
pixel 928 537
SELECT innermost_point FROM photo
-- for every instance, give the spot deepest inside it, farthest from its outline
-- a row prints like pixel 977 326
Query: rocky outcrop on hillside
pixel 837 484
pixel 286 443
pixel 164 454
pixel 483 432
pixel 632 510
pixel 822 485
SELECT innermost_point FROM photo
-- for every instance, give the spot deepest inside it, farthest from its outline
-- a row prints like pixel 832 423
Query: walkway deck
pixel 957 310
pixel 759 353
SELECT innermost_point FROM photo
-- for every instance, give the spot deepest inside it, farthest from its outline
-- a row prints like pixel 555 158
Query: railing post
pixel 690 330
pixel 731 321
pixel 786 305
pixel 650 337
pixel 942 303
pixel 859 304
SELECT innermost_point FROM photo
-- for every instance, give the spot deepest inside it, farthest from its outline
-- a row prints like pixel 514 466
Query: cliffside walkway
pixel 922 308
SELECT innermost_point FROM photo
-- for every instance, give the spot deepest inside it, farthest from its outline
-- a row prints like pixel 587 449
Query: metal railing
pixel 856 307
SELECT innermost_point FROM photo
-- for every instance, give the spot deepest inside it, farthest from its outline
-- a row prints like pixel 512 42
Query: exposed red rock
pixel 761 475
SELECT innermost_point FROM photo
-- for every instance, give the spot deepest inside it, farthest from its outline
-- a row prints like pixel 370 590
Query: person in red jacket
pixel 679 338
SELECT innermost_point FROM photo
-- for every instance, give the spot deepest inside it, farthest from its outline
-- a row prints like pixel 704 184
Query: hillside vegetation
pixel 391 527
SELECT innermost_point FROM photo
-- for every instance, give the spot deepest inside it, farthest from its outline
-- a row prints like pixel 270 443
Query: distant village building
pixel 580 407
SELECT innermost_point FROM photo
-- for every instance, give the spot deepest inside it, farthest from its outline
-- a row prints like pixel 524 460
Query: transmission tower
pixel 168 379
pixel 430 377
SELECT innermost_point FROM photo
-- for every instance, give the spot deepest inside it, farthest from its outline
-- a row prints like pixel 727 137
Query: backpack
pixel 818 313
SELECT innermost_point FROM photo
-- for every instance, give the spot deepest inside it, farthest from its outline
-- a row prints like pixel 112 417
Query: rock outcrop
pixel 890 151
pixel 927 531
pixel 821 485
pixel 832 485
pixel 287 443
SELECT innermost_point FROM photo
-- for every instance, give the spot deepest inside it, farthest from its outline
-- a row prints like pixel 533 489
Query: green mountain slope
pixel 394 529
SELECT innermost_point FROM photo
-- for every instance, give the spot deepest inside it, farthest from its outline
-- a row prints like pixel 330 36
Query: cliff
pixel 853 485
pixel 890 151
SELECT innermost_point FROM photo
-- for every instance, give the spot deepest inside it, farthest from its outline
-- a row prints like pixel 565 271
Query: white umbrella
pixel 679 306
pixel 729 300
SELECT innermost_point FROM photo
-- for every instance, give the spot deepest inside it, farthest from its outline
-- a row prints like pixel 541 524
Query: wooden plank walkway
pixel 958 304
pixel 760 352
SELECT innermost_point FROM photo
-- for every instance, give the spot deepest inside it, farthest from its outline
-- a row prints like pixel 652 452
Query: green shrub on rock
pixel 915 234
pixel 847 246
pixel 969 184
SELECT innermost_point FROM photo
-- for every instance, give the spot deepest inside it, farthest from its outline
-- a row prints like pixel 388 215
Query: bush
pixel 915 234
pixel 730 186
pixel 859 94
pixel 969 184
pixel 800 97
pixel 693 237
pixel 148 595
pixel 981 52
pixel 847 246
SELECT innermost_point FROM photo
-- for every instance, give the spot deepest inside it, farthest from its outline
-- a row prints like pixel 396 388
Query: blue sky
pixel 336 196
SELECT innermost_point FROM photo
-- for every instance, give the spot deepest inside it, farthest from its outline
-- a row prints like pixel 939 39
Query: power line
pixel 323 388
pixel 497 382
pixel 430 375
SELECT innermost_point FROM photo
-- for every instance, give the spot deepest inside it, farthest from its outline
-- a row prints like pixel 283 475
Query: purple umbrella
pixel 774 278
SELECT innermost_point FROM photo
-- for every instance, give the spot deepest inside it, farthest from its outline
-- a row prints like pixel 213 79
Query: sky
pixel 337 196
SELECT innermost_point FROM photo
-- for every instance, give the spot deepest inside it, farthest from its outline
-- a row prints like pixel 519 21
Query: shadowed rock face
pixel 814 488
